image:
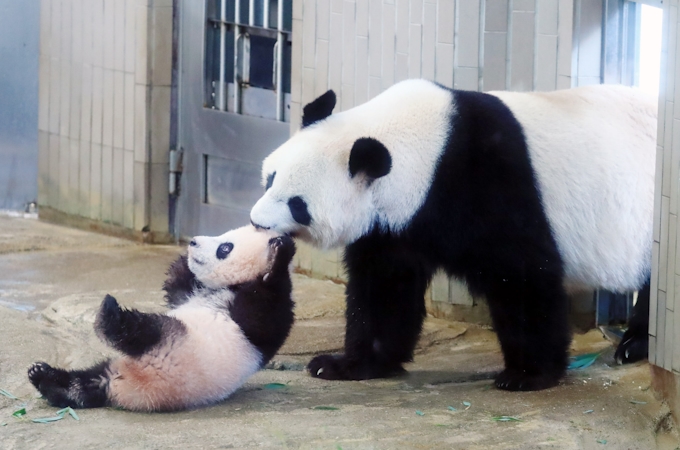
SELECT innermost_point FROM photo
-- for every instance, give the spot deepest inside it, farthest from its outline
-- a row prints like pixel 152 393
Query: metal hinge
pixel 176 157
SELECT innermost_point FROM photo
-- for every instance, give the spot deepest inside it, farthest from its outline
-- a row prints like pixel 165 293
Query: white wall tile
pixel 130 35
pixel 107 108
pixel 117 186
pixel 445 21
pixel 141 119
pixel 348 44
pixel 142 45
pixel 321 72
pixel 64 171
pixel 663 249
pixel 308 91
pixel 444 64
pixel 119 35
pixel 496 15
pixel 565 37
pixel 129 112
pixel 466 78
pixel 118 109
pixel 402 26
pixel 375 38
pixel 323 19
pixel 361 81
pixel 77 31
pixel 53 167
pixel 334 48
pixel 546 63
pixel 495 49
pixel 416 12
pixel 309 32
pixel 415 62
pixel 87 31
pixel 107 184
pixel 374 86
pixel 74 177
pixel 667 145
pixel 160 123
pixel 467 48
pixel 296 61
pixel 429 41
pixel 676 338
pixel 96 182
pixel 108 32
pixel 524 5
pixel 85 169
pixel 45 27
pixel 548 17
pixel 55 29
pixel 128 189
pixel 97 32
pixel 661 330
pixel 66 29
pixel 522 51
pixel 97 104
pixel 654 289
pixel 362 18
pixel 668 344
pixel 401 67
pixel 43 166
pixel 65 97
pixel 388 25
pixel 75 101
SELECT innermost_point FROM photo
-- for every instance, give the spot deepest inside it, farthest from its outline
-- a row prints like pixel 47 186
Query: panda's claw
pixel 633 348
pixel 515 380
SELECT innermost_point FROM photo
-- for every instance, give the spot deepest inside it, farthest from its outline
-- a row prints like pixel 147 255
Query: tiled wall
pixel 104 110
pixel 664 322
pixel 359 48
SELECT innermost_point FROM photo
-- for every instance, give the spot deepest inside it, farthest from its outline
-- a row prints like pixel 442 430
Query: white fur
pixel 593 150
pixel 410 119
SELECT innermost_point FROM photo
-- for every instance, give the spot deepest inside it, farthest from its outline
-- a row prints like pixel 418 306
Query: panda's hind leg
pixel 634 345
pixel 530 317
pixel 133 332
pixel 74 388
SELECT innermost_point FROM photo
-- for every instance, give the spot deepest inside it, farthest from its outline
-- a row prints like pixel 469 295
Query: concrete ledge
pixel 51 215
pixel 666 386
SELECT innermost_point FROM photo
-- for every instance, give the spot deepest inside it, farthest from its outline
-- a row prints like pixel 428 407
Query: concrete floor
pixel 52 280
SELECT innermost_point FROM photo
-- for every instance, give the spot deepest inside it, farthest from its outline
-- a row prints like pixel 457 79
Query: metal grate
pixel 248 57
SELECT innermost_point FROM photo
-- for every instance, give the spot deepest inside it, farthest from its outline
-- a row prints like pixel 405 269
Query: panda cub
pixel 231 310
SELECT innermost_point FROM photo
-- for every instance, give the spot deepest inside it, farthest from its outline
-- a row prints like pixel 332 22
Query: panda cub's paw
pixel 515 380
pixel 42 371
pixel 339 367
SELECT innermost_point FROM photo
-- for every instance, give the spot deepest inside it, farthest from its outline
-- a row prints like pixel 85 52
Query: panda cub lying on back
pixel 231 310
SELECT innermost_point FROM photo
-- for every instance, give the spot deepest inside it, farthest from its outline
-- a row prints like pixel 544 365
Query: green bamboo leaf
pixel 636 402
pixel 274 386
pixel 451 408
pixel 47 419
pixel 420 413
pixel 19 412
pixel 8 395
pixel 506 419
pixel 583 361
pixel 326 408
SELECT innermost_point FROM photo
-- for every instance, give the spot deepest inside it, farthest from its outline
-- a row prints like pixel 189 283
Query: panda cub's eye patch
pixel 224 249
pixel 298 209
pixel 270 181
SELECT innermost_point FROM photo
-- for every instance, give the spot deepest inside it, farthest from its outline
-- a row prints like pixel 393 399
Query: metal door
pixel 234 96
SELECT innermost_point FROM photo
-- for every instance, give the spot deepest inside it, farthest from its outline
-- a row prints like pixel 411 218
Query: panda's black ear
pixel 319 109
pixel 370 157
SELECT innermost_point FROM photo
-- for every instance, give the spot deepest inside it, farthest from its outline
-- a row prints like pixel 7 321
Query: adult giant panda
pixel 525 196
pixel 231 312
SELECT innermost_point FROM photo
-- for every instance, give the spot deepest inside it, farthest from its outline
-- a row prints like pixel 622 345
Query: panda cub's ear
pixel 369 157
pixel 319 109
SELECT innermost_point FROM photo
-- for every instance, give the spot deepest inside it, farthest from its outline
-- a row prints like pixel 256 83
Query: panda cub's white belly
pixel 205 365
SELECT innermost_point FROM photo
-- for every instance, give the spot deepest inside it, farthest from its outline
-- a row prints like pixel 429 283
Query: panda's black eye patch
pixel 223 250
pixel 298 209
pixel 270 181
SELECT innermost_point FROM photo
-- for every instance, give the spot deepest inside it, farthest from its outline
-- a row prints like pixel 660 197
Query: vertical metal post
pixel 237 38
pixel 265 19
pixel 280 41
pixel 251 13
pixel 221 88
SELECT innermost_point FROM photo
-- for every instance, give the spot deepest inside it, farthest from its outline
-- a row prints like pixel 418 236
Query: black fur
pixel 319 109
pixel 74 388
pixel 634 345
pixel 299 211
pixel 482 221
pixel 369 156
pixel 263 308
pixel 134 332
pixel 180 284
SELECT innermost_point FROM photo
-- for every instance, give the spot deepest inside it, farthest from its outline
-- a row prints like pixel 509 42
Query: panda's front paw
pixel 633 347
pixel 328 367
pixel 516 380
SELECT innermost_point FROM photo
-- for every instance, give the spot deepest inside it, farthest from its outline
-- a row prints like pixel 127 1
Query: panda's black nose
pixel 193 243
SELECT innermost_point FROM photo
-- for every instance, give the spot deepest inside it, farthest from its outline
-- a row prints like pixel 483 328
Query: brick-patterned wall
pixel 664 329
pixel 104 110
pixel 359 48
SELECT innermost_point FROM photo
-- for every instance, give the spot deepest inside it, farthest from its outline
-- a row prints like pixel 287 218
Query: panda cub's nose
pixel 193 243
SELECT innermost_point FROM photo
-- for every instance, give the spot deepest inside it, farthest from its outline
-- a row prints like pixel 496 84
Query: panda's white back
pixel 592 149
